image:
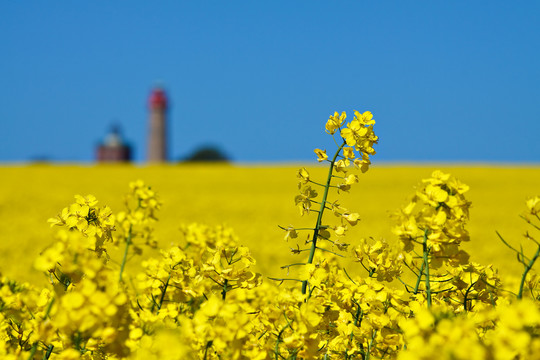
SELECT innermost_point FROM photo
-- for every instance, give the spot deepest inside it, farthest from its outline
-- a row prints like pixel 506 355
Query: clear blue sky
pixel 445 80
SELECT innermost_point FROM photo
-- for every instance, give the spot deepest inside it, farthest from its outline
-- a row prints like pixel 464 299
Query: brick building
pixel 113 148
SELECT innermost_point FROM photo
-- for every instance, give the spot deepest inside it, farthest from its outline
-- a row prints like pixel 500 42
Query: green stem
pixel 224 291
pixel 35 346
pixel 124 260
pixel 419 278
pixel 425 250
pixel 368 354
pixel 33 351
pixel 466 297
pixel 49 307
pixel 321 211
pixel 359 313
pixel 527 269
pixel 48 353
pixel 163 292
pixel 208 344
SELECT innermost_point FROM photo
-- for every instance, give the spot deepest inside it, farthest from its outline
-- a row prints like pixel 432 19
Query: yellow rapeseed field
pixel 144 262
pixel 253 200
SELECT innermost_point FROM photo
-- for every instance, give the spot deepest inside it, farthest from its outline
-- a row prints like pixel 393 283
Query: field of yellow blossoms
pixel 338 259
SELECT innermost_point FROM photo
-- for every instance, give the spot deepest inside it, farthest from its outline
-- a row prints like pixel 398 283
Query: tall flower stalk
pixel 355 147
pixel 530 217
pixel 431 229
pixel 136 222
pixel 318 224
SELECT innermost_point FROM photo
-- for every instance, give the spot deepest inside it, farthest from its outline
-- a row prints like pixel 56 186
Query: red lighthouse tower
pixel 157 136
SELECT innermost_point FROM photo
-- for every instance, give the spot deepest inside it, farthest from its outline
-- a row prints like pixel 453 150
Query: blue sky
pixel 454 81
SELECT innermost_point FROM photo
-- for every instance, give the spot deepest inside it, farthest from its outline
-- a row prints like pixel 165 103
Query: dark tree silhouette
pixel 207 154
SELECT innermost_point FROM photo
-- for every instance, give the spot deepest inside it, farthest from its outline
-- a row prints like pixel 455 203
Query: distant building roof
pixel 113 149
pixel 113 139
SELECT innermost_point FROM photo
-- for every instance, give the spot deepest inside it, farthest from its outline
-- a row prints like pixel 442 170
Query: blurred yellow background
pixel 254 200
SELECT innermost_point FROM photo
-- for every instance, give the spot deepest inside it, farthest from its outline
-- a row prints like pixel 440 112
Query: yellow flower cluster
pixel 431 229
pixel 84 216
pixel 439 211
pixel 379 259
pixel 136 223
pixel 508 331
pixel 358 134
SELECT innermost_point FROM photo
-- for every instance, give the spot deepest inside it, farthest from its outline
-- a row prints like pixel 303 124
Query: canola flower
pixel 200 298
pixel 360 137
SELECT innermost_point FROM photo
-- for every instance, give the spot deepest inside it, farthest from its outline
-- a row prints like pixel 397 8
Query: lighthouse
pixel 157 135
